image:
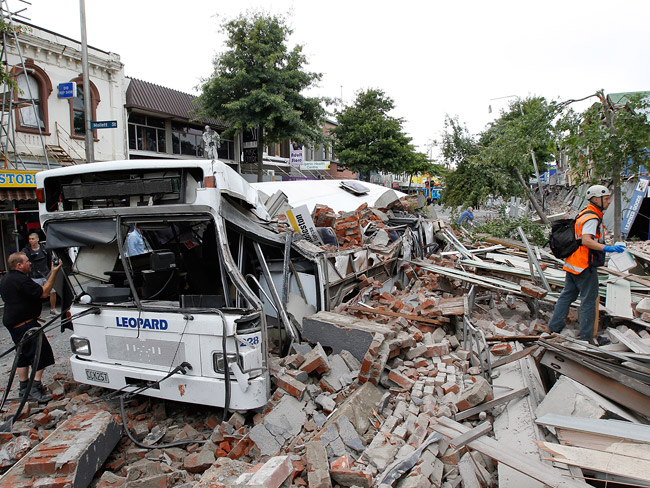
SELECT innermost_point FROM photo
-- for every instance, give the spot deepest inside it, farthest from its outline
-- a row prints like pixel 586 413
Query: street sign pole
pixel 90 152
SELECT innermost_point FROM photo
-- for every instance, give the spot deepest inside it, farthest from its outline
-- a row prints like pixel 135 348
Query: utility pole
pixel 90 150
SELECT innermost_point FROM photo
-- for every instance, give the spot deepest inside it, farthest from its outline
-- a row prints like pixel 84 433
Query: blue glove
pixel 618 248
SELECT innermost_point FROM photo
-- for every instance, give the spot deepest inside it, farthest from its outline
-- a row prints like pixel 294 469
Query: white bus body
pixel 215 279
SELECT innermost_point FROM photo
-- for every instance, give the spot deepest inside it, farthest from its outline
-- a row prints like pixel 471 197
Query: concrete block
pixel 348 434
pixel 317 465
pixel 327 403
pixel 341 332
pixel 358 407
pixel 264 440
pixel 417 351
pixel 72 453
pixel 271 475
pixel 223 473
pixel 338 369
pixel 380 452
pixel 286 419
pixel 198 462
pixel 479 392
pixel 438 335
pixel 352 363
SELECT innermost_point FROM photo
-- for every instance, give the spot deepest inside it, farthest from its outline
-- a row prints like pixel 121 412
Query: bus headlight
pixel 80 346
pixel 217 361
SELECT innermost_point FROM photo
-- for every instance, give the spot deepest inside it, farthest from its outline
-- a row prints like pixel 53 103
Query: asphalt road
pixel 60 342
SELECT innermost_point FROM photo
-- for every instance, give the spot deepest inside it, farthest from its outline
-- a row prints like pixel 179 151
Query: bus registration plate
pixel 99 376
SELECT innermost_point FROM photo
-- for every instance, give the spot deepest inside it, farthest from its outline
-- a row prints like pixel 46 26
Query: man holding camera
pixel 22 299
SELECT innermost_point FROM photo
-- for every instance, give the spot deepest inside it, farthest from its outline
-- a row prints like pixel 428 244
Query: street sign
pixel 106 124
pixel 67 90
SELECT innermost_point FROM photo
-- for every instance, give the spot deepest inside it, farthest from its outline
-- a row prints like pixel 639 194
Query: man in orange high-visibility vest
pixel 581 273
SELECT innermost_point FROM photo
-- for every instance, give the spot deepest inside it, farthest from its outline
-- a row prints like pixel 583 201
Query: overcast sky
pixel 431 57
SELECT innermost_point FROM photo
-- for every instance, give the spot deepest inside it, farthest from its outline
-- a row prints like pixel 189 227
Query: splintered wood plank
pixel 388 313
pixel 617 429
pixel 452 306
pixel 504 453
pixel 589 440
pixel 620 464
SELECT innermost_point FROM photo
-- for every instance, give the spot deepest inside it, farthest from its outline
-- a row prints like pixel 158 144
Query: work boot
pixel 38 392
pixel 40 389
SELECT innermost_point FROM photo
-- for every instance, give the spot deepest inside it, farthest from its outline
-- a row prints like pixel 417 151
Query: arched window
pixel 31 98
pixel 78 111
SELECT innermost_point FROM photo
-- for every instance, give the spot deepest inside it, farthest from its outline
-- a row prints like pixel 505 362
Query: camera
pixel 55 261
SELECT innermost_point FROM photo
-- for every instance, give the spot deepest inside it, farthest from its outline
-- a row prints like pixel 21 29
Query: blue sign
pixel 633 206
pixel 106 124
pixel 67 90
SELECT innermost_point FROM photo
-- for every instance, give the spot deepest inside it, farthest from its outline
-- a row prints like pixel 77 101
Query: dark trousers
pixel 28 351
pixel 586 286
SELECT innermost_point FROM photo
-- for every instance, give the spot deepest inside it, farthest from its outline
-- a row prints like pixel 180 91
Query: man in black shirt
pixel 22 299
pixel 41 263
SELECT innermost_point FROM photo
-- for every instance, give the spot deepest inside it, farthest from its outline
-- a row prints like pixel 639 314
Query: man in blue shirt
pixel 135 242
pixel 467 215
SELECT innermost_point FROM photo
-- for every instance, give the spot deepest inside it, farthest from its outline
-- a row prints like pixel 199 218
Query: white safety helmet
pixel 597 191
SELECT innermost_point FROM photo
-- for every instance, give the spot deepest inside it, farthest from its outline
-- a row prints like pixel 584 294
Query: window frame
pixel 94 102
pixel 44 91
pixel 143 126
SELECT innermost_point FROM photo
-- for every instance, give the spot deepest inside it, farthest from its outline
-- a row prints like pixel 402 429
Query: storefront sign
pixel 317 165
pixel 301 222
pixel 633 206
pixel 17 179
pixel 296 156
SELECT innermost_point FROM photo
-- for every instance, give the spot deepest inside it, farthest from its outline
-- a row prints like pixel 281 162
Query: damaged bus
pixel 192 313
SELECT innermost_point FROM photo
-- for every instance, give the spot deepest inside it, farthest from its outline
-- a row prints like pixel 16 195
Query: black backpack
pixel 562 239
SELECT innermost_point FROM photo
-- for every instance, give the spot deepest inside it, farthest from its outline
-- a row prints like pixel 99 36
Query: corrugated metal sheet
pixel 165 101
pixel 17 194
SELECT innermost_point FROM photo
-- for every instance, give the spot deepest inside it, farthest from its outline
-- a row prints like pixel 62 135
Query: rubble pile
pixel 437 375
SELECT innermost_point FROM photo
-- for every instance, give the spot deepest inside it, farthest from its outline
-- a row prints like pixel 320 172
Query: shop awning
pixel 17 194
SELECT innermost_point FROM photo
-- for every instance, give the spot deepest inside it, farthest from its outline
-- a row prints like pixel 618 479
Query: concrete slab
pixel 358 407
pixel 72 454
pixel 340 332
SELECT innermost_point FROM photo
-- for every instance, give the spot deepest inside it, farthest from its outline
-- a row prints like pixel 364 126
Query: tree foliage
pixel 606 137
pixel 258 82
pixel 500 162
pixel 368 139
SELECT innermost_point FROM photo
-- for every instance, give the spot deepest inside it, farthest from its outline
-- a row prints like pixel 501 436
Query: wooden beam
pixel 491 404
pixel 417 318
pixel 521 338
pixel 470 435
pixel 624 464
pixel 627 276
pixel 515 356
pixel 509 456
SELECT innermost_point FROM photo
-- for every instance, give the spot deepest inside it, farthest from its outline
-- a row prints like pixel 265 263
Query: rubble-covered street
pixel 434 368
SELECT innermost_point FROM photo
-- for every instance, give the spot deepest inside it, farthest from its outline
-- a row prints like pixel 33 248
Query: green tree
pixel 503 159
pixel 258 82
pixel 606 139
pixel 368 139
pixel 456 145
